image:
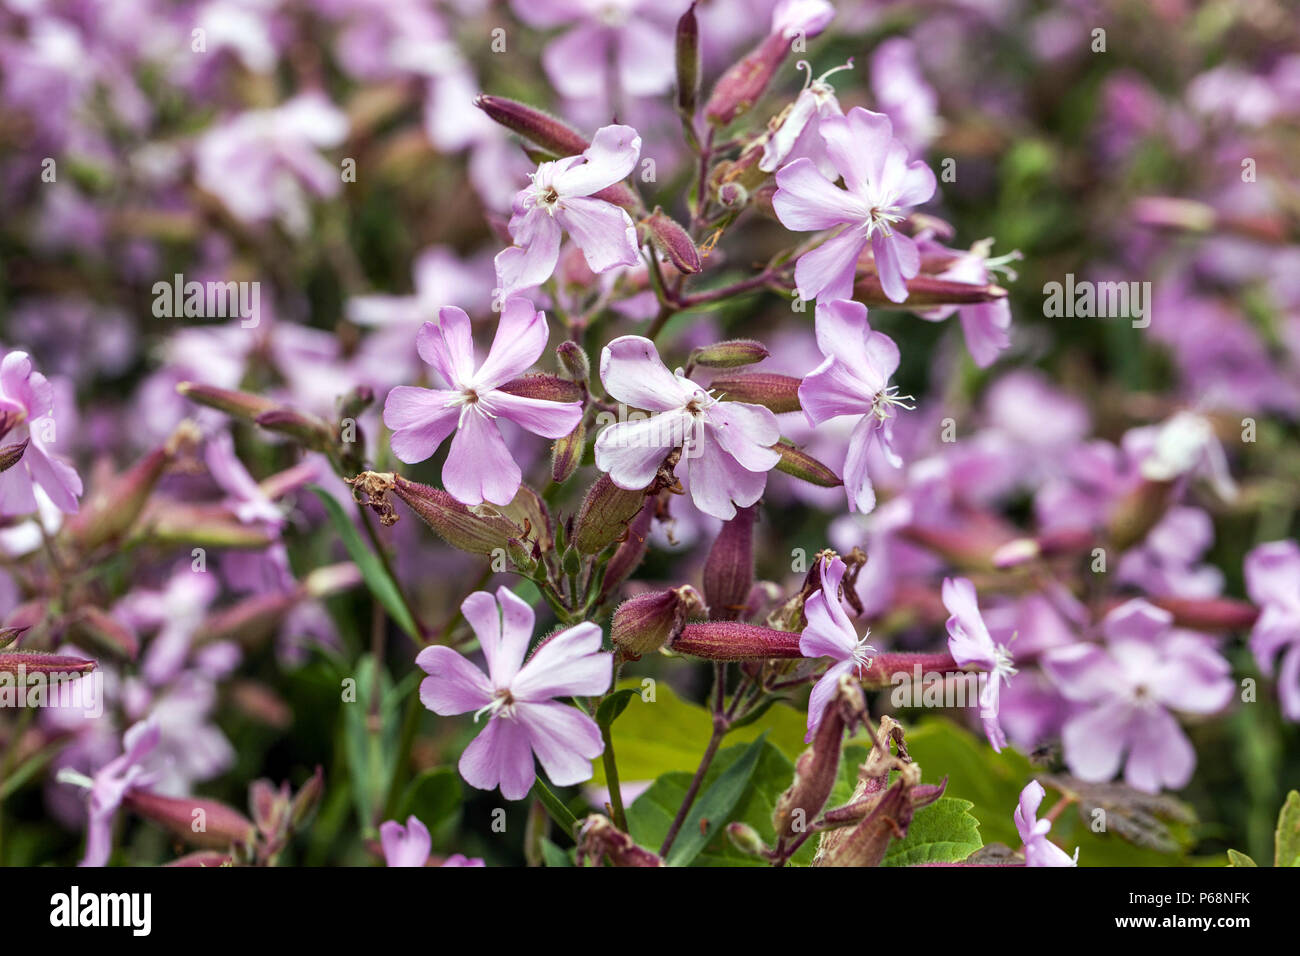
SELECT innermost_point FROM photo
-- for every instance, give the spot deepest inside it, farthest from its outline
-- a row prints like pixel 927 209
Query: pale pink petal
pixel 454 685
pixel 830 270
pixel 1094 742
pixel 806 201
pixel 537 415
pixel 564 739
pixel 517 622
pixel 1137 620
pixel 631 452
pixel 822 694
pixel 1161 756
pixel 500 756
pixel 985 328
pixel 405 845
pixel 448 345
pixel 603 231
pixel 719 483
pixel 483 613
pixel 969 641
pixel 567 664
pixel 646 62
pixel 833 389
pixel 479 466
pixel 575 62
pixel 531 261
pixel 633 373
pixel 421 419
pixel 858 490
pixel 1083 672
pixel 894 254
pixel 519 342
pixel 57 478
pixel 746 433
pixel 611 156
pixel 858 144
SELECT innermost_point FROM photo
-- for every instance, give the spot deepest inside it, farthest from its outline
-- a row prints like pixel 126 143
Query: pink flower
pixel 880 186
pixel 971 645
pixel 799 134
pixel 830 633
pixel 985 325
pixel 409 845
pixel 1145 668
pixel 561 199
pixel 636 36
pixel 1039 851
pixel 109 787
pixel 523 719
pixel 727 446
pixel 1273 582
pixel 479 466
pixel 853 380
pixel 26 411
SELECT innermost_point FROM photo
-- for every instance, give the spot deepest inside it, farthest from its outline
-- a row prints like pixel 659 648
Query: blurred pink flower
pixel 971 645
pixel 109 787
pixel 1273 582
pixel 1039 851
pixel 409 845
pixel 26 411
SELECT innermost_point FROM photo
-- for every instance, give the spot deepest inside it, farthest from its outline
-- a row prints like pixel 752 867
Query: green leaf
pixel 712 807
pixel 377 579
pixel 612 706
pixel 1239 859
pixel 1286 849
pixel 666 734
pixel 371 747
pixel 434 797
pixel 552 855
pixel 943 832
pixel 561 814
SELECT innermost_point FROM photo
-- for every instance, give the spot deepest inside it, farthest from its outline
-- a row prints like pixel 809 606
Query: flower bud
pixel 780 393
pixel 647 622
pixel 10 455
pixel 534 125
pixel 574 360
pixel 566 453
pixel 527 512
pixel 746 839
pixel 598 837
pixel 307 798
pixel 331 579
pixel 8 635
pixel 804 466
pixel 548 388
pixel 688 62
pixel 740 87
pixel 925 291
pixel 217 826
pixel 729 568
pixel 98 632
pixel 239 404
pixel 627 556
pixel 168 523
pixel 673 241
pixel 1209 614
pixel 730 354
pixel 452 521
pixel 604 515
pixel 733 195
pixel 250 621
pixel 733 641
pixel 39 662
pixel 307 430
pixel 1139 511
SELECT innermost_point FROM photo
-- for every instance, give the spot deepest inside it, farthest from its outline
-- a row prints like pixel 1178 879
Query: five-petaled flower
pixel 409 845
pixel 560 199
pixel 523 719
pixel 971 645
pixel 1126 687
pixel 479 465
pixel 830 633
pixel 881 185
pixel 854 380
pixel 727 445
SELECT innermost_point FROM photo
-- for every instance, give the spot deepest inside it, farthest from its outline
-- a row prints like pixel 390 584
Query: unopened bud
pixel 673 241
pixel 597 837
pixel 733 641
pixel 9 634
pixel 925 291
pixel 604 516
pixel 307 798
pixel 746 839
pixel 452 521
pixel 688 62
pixel 729 568
pixel 39 662
pixel 548 388
pixel 574 360
pixel 308 430
pixel 250 621
pixel 780 393
pixel 733 195
pixel 239 404
pixel 534 125
pixel 217 826
pixel 802 465
pixel 98 632
pixel 627 556
pixel 566 453
pixel 647 622
pixel 10 455
pixel 730 354
pixel 740 87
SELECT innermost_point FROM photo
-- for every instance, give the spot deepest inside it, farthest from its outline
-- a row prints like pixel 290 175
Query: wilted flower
pixel 517 697
pixel 479 466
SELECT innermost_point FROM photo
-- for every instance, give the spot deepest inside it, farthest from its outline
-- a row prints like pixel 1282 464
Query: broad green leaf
pixel 377 579
pixel 1286 849
pixel 1239 859
pixel 371 746
pixel 652 738
pixel 434 797
pixel 612 706
pixel 943 832
pixel 553 855
pixel 712 807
